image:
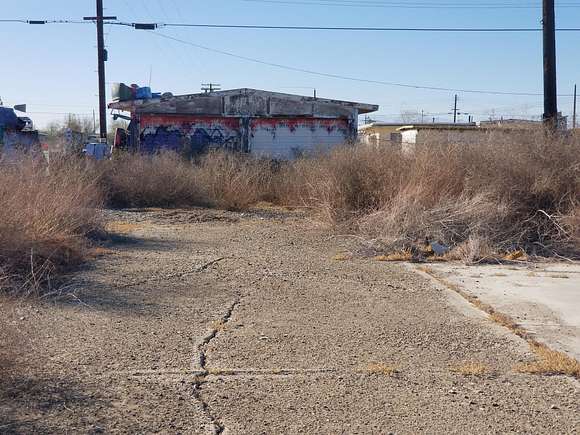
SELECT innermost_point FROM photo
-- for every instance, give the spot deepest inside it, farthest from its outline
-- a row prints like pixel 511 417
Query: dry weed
pixel 44 220
pixel 123 227
pixel 378 369
pixel 550 362
pixel 471 368
pixel 517 194
pixel 164 180
pixel 405 255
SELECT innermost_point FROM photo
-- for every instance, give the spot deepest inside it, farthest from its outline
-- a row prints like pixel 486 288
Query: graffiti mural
pixel 203 139
pixel 188 135
pixel 155 139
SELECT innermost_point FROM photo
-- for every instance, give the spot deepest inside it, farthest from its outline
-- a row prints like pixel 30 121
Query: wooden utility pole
pixel 455 110
pixel 550 88
pixel 574 110
pixel 101 58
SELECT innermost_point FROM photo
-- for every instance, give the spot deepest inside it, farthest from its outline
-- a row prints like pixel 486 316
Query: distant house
pixel 392 133
pixel 263 123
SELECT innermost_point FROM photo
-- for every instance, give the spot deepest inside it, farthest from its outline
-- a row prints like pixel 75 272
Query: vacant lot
pixel 207 321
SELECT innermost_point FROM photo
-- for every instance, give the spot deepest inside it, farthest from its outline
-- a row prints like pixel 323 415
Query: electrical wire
pixel 364 29
pixel 317 28
pixel 342 77
pixel 400 5
pixel 45 21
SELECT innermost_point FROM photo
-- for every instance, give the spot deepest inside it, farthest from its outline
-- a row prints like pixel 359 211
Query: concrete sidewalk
pixel 543 297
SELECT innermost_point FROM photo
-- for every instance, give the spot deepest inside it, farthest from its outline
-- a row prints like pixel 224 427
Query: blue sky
pixel 53 67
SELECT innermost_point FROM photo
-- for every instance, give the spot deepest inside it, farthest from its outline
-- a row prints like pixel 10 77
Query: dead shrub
pixel 472 250
pixel 346 183
pixel 163 180
pixel 509 193
pixel 44 220
pixel 218 179
pixel 234 181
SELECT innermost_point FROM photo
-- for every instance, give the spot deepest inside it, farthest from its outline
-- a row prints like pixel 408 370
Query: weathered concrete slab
pixel 544 298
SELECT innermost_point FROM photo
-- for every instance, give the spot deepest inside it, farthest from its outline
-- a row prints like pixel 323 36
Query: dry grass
pixel 509 197
pixel 377 368
pixel 471 368
pixel 123 227
pixel 550 362
pixel 44 220
pixel 520 195
pixel 404 255
pixel 217 179
pixel 164 180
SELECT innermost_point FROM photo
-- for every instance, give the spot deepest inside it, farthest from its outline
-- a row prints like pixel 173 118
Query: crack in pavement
pixel 173 275
pixel 216 426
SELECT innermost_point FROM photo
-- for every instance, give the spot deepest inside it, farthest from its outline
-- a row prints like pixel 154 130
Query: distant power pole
pixel 210 87
pixel 455 110
pixel 550 88
pixel 574 110
pixel 101 58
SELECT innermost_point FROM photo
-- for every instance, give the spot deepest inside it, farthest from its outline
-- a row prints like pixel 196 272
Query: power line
pixel 342 77
pixel 347 28
pixel 152 26
pixel 43 21
pixel 399 5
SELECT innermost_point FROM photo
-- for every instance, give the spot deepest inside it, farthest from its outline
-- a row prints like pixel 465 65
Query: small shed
pixel 263 123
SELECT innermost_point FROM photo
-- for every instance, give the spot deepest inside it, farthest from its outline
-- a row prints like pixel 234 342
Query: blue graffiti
pixel 162 139
pixel 201 139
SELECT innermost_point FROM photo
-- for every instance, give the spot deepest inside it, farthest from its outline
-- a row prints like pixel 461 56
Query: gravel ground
pixel 207 321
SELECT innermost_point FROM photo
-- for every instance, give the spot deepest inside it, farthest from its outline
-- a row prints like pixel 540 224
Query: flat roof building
pixel 263 123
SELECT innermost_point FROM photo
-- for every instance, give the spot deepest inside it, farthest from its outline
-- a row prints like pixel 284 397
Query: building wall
pixel 282 138
pixel 189 134
pixel 412 138
pixel 290 138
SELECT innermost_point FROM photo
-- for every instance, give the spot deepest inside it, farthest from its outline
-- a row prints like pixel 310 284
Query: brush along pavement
pixel 213 322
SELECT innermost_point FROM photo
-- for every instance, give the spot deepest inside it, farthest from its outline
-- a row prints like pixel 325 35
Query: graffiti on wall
pixel 203 139
pixel 188 136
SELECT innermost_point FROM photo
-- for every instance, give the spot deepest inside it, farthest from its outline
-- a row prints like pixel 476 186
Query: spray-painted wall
pixel 280 138
pixel 188 134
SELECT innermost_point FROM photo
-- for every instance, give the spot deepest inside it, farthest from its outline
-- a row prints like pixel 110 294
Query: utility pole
pixel 101 58
pixel 455 110
pixel 210 87
pixel 422 116
pixel 574 110
pixel 550 89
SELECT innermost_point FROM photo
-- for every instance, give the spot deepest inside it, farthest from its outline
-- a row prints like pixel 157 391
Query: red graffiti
pixel 181 121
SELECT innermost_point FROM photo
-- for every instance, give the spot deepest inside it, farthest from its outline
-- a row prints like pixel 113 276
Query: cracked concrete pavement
pixel 205 321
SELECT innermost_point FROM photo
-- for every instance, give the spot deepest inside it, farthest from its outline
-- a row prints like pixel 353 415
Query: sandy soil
pixel 214 322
